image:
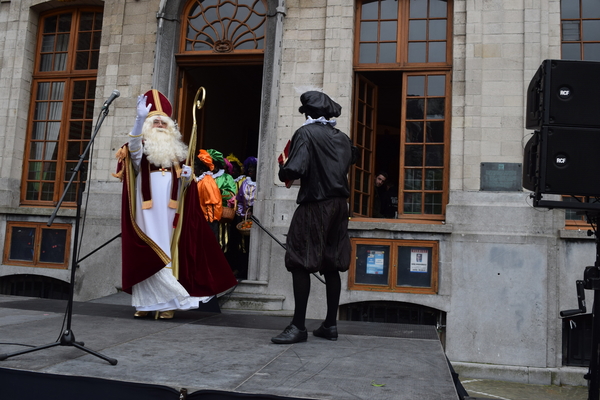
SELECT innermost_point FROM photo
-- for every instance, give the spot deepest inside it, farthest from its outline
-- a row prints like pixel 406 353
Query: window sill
pixel 395 225
pixel 577 234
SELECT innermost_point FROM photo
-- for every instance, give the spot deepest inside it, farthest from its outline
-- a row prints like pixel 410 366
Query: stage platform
pixel 227 351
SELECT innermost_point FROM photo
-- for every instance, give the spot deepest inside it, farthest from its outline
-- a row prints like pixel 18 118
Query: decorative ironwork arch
pixel 224 26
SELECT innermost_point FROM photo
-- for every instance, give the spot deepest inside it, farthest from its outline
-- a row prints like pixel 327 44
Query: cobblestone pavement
pixel 489 389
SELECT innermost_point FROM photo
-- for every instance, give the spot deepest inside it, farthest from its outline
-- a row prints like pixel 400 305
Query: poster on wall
pixel 375 259
pixel 418 260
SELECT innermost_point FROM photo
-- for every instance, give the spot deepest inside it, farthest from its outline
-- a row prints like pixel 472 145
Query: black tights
pixel 301 282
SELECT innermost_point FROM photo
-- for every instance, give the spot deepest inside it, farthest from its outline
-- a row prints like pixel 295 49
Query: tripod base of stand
pixel 66 339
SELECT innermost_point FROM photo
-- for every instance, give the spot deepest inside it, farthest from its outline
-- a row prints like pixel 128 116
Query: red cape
pixel 203 268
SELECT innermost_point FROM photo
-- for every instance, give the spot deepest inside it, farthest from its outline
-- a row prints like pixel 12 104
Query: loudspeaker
pixel 564 92
pixel 567 161
pixel 530 163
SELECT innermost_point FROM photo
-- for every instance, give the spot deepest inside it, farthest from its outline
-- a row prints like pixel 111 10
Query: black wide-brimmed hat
pixel 318 104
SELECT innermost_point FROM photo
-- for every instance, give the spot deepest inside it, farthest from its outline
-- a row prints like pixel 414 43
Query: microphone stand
pixel 68 338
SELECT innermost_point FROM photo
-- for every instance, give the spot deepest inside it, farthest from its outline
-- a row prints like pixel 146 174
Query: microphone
pixel 112 97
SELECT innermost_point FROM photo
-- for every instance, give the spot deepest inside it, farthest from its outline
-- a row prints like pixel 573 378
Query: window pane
pixel 58 89
pixel 388 30
pixel 591 30
pixel 438 8
pixel 53 131
pixel 589 8
pixel 47 191
pixel 435 108
pixel 571 51
pixel 372 264
pixel 50 24
pixel 414 132
pixel 435 132
pixel 570 31
pixel 418 8
pixel 46 62
pixel 437 29
pixel 434 155
pixel 49 171
pixel 75 130
pixel 64 23
pixel 389 8
pixel 433 203
pixel 370 10
pixel 569 9
pixel 41 112
pixel 417 30
pixel 368 53
pixel 387 52
pixel 39 131
pixel 412 203
pixel 416 86
pixel 32 191
pixel 52 249
pixel 414 108
pixel 86 21
pixel 591 51
pixel 436 85
pixel 55 110
pixel 413 179
pixel 417 52
pixel 22 243
pixel 35 170
pixel 434 179
pixel 36 150
pixel 62 42
pixel 437 52
pixel 368 31
pixel 48 44
pixel 413 155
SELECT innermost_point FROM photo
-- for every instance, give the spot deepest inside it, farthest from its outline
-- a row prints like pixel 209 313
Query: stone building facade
pixel 500 270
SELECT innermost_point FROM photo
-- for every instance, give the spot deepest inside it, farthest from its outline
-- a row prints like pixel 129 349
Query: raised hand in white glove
pixel 142 108
pixel 186 171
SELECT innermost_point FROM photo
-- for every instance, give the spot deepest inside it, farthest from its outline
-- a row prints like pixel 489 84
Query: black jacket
pixel 320 156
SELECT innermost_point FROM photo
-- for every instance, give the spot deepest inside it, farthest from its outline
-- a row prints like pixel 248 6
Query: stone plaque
pixel 501 177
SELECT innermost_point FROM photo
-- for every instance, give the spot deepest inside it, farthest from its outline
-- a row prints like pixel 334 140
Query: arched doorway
pixel 221 48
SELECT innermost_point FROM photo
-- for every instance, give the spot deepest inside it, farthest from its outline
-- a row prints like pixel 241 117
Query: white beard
pixel 164 147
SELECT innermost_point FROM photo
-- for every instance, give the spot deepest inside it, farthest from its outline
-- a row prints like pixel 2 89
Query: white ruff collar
pixel 218 174
pixel 320 120
pixel 207 173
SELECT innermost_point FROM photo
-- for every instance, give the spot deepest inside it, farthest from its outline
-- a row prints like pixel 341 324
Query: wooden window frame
pixel 39 227
pixel 580 21
pixel 64 140
pixel 402 32
pixel 362 197
pixel 392 285
pixel 580 221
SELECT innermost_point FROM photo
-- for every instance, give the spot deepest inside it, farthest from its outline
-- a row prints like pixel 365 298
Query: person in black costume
pixel 320 156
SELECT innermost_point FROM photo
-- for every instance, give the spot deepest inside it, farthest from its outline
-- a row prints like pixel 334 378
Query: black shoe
pixel 326 333
pixel 290 335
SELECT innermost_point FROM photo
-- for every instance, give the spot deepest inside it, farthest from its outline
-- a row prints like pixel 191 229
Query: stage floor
pixel 228 351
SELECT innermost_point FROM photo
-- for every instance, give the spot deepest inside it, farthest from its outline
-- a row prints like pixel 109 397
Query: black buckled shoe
pixel 326 333
pixel 290 335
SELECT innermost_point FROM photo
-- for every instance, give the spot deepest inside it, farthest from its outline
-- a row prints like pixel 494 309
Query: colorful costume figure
pixel 247 192
pixel 166 243
pixel 208 190
pixel 237 172
pixel 224 181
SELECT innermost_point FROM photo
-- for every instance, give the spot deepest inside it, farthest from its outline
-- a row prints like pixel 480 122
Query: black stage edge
pixel 26 385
